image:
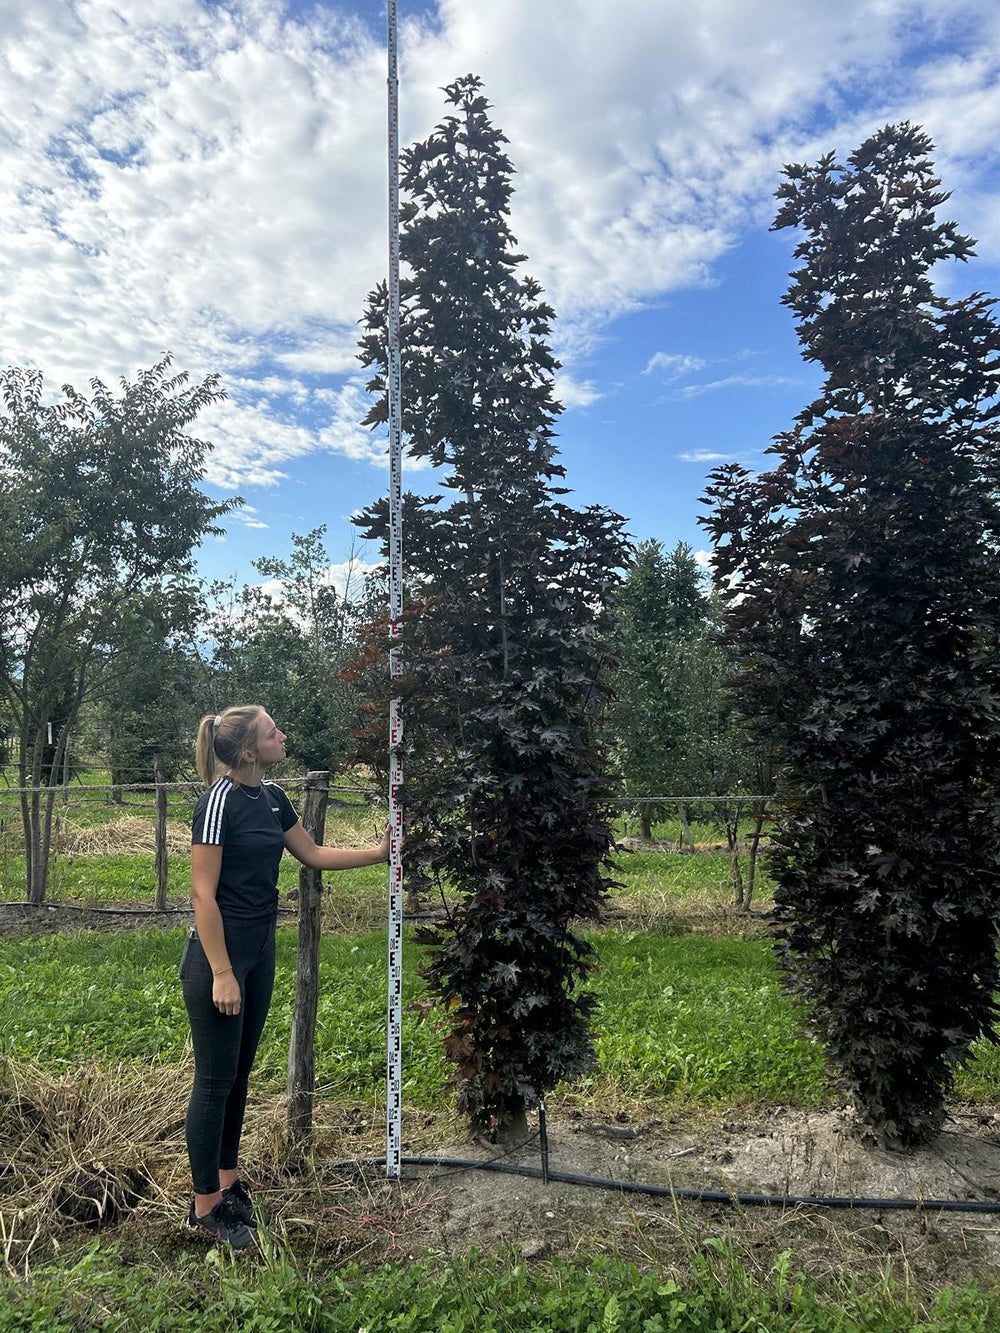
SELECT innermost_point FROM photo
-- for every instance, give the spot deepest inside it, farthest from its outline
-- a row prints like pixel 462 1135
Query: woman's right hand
pixel 226 993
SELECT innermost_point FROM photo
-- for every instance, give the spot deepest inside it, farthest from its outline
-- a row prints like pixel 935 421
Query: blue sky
pixel 209 178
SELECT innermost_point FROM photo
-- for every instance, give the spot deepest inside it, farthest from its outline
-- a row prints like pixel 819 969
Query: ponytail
pixel 222 738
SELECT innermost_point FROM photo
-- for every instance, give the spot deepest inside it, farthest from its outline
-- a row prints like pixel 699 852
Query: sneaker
pixel 223 1225
pixel 238 1197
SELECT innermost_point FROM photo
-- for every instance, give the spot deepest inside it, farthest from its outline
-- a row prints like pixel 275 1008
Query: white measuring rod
pixel 394 998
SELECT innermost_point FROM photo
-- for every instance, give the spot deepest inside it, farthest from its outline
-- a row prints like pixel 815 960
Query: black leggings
pixel 224 1045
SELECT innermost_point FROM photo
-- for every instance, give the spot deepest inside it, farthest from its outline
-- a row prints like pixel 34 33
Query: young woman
pixel 242 824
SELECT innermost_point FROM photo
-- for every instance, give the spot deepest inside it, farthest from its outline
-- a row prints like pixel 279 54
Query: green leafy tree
pixel 101 502
pixel 864 607
pixel 677 728
pixel 661 609
pixel 717 754
pixel 506 780
pixel 285 645
pixel 153 685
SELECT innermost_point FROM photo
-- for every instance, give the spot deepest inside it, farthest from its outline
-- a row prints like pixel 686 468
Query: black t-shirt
pixel 251 832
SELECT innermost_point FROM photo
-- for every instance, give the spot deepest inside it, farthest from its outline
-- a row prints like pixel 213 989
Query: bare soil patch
pixel 780 1151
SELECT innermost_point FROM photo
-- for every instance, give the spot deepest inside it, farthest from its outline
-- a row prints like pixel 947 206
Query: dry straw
pixel 129 835
pixel 100 1145
pixel 82 1148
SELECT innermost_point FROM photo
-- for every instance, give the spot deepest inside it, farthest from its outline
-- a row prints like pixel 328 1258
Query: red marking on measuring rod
pixel 394 978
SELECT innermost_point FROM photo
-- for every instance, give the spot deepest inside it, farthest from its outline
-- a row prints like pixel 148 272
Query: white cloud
pixel 572 392
pixel 647 136
pixel 329 355
pixel 346 576
pixel 704 456
pixel 210 179
pixel 255 433
pixel 735 382
pixel 247 515
pixel 173 187
pixel 273 589
pixel 674 365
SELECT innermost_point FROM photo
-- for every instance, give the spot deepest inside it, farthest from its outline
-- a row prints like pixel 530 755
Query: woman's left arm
pixel 304 849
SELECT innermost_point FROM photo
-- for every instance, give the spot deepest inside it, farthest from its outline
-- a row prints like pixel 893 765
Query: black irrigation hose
pixel 483 1162
pixel 107 911
pixel 123 911
pixel 704 1196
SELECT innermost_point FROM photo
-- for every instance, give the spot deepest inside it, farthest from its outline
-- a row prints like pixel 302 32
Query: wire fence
pixel 135 835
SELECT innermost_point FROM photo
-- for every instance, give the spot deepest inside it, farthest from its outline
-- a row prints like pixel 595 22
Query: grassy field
pixel 691 1020
pixel 103 853
pixel 96 881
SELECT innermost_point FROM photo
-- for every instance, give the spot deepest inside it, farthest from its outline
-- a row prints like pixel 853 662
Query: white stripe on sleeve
pixel 214 810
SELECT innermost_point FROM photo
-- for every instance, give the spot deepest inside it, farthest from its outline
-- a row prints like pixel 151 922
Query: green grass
pixel 681 876
pixel 93 880
pixel 700 1019
pixel 102 879
pixel 479 1293
pixel 70 998
pixel 664 881
pixel 689 1019
pixel 686 1019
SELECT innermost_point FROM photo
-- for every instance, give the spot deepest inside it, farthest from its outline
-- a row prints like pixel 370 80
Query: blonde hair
pixel 222 738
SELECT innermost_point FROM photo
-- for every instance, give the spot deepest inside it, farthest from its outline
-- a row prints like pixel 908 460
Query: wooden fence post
pixel 161 836
pixel 302 1048
pixel 65 774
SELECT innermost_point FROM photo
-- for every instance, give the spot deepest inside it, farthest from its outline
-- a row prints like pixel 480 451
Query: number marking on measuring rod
pixel 394 998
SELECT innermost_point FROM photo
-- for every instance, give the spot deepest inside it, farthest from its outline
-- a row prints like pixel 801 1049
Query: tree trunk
pixel 515 1131
pixel 302 1048
pixel 685 830
pixel 45 843
pixel 33 833
pixel 732 827
pixel 22 776
pixel 759 815
pixel 36 871
pixel 65 774
pixel 38 833
pixel 161 836
pixel 646 823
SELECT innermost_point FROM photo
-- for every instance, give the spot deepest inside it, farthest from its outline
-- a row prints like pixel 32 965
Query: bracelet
pixel 222 971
